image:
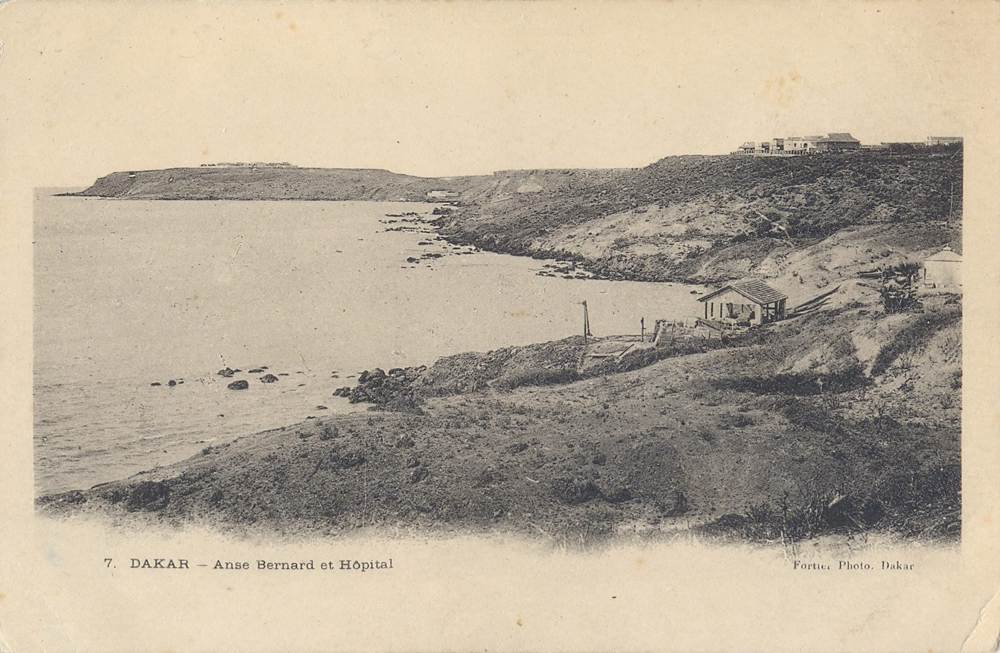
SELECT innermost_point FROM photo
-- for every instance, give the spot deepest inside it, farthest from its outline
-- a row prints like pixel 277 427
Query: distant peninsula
pixel 699 219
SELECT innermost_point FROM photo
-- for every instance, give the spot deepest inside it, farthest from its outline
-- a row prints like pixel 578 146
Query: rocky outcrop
pixel 394 390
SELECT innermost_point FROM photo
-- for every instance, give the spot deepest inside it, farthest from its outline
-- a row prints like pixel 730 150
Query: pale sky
pixel 450 88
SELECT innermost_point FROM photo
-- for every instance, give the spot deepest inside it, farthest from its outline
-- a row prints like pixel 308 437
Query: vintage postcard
pixel 499 326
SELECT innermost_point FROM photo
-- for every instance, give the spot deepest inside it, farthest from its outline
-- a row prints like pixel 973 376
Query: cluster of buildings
pixel 795 145
pixel 255 164
pixel 836 142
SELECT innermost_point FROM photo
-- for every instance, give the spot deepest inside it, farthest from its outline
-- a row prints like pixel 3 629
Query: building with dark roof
pixel 745 303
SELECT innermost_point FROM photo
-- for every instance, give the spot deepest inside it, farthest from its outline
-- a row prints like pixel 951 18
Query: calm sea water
pixel 128 293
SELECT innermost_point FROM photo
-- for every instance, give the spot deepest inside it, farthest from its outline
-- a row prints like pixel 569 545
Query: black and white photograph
pixel 572 279
pixel 761 345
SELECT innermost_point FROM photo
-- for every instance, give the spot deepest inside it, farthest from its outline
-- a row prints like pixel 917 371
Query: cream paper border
pixel 474 593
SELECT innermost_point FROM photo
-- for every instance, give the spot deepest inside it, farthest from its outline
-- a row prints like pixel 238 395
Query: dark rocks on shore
pixel 227 373
pixel 242 384
pixel 256 370
pixel 392 391
pixel 373 378
pixel 268 378
pixel 171 383
pixel 155 383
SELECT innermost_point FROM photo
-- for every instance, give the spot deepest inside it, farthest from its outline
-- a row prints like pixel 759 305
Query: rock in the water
pixel 268 378
pixel 242 384
pixel 227 372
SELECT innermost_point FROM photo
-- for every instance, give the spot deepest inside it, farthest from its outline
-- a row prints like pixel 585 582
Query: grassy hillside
pixel 709 218
pixel 859 411
pixel 842 420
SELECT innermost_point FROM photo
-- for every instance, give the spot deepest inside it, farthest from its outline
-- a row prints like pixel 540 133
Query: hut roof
pixel 756 291
pixel 946 254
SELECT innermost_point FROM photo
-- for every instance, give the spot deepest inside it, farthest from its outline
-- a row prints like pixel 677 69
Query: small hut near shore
pixel 747 303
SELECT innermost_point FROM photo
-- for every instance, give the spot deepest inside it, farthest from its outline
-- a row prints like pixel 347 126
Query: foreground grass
pixel 725 442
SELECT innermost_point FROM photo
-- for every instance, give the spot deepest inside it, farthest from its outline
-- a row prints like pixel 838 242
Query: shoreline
pixel 521 438
pixel 519 457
